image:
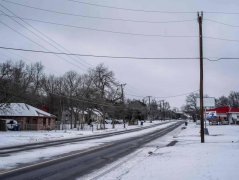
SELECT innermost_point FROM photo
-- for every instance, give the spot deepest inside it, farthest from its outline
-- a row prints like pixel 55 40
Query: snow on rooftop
pixel 22 109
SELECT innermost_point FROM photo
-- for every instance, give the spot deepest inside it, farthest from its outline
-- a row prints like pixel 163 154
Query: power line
pixel 121 8
pixel 26 59
pixel 224 58
pixel 164 97
pixel 129 9
pixel 37 31
pixel 109 31
pixel 151 11
pixel 178 95
pixel 222 23
pixel 99 56
pixel 116 57
pixel 30 40
pixel 221 12
pixel 221 39
pixel 101 18
pixel 42 34
pixel 127 33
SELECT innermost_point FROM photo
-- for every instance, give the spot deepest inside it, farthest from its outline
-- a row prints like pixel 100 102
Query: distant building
pixel 227 113
pixel 29 117
pixel 93 114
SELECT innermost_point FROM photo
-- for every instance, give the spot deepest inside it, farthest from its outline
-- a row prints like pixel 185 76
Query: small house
pixel 28 117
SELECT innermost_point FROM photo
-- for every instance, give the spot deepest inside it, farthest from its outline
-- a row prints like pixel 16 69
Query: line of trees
pixel 232 100
pixel 77 93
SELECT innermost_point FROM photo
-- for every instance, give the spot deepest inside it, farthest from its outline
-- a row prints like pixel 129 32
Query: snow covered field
pixel 188 159
pixel 11 138
pixel 16 159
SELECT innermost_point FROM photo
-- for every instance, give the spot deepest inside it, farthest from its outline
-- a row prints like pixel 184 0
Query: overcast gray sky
pixel 158 78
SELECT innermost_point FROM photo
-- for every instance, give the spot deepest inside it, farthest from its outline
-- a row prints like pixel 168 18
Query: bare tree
pixel 222 101
pixel 191 106
pixel 106 89
pixel 234 99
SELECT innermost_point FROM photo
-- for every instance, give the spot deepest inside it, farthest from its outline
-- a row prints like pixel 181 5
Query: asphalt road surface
pixel 79 164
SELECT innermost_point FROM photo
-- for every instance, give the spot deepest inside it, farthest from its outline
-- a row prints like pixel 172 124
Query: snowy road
pixel 82 162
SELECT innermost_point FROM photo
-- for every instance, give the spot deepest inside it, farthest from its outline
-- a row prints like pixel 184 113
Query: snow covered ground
pixel 15 159
pixel 11 138
pixel 188 159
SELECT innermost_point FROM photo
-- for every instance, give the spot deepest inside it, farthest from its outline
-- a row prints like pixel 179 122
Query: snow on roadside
pixel 217 159
pixel 14 159
pixel 11 138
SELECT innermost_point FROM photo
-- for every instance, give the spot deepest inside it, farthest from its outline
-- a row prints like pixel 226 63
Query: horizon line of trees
pixel 96 89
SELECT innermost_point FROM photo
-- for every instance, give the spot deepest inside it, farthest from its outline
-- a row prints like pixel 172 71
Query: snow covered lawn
pixel 188 159
pixel 11 138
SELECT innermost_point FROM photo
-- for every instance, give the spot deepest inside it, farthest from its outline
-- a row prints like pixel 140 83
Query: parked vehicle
pixel 12 125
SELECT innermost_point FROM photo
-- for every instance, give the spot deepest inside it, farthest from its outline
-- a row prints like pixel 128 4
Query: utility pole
pixel 162 109
pixel 200 18
pixel 149 118
pixel 122 96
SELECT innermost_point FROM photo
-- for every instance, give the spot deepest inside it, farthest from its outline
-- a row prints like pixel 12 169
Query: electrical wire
pixel 117 57
pixel 129 9
pixel 221 39
pixel 127 33
pixel 101 18
pixel 121 8
pixel 38 31
pixel 33 42
pixel 224 58
pixel 109 31
pixel 164 97
pixel 222 23
pixel 42 34
pixel 99 56
pixel 151 11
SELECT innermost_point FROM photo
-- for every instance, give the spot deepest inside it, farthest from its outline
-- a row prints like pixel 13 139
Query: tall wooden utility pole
pixel 200 18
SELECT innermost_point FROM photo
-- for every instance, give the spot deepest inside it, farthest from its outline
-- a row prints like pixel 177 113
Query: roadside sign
pixel 207 102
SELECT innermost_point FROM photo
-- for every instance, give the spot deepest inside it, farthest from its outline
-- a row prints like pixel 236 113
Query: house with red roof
pixel 227 113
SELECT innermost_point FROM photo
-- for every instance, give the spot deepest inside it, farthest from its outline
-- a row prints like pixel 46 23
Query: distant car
pixel 12 125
